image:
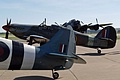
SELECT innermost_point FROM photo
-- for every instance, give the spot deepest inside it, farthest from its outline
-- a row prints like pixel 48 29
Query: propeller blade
pixel 7 33
pixel 45 21
pixel 8 22
pixel 96 20
pixel 82 22
pixel 89 24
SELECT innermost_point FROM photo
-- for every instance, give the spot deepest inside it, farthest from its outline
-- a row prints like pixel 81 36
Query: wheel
pixel 55 75
pixel 99 51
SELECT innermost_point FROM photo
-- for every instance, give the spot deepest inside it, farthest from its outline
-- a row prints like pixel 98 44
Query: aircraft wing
pixel 106 24
pixel 75 57
pixel 37 39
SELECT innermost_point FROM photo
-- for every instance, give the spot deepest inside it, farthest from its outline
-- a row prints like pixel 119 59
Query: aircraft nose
pixel 6 27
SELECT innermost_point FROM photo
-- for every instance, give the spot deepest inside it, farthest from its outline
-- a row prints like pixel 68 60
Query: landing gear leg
pixel 99 51
pixel 42 43
pixel 30 41
pixel 55 75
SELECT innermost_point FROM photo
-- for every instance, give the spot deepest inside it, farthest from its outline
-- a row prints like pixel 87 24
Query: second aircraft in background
pixel 105 39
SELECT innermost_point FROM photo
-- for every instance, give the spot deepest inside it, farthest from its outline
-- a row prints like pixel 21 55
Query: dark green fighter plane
pixel 105 39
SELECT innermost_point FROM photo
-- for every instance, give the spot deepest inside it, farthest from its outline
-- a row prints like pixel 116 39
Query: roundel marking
pixel 4 51
pixel 1 51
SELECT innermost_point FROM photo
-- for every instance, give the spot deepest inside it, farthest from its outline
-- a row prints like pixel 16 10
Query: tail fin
pixel 108 33
pixel 63 42
pixel 63 45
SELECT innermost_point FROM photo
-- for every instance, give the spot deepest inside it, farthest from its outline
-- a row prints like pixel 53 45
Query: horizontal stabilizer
pixel 107 39
pixel 76 58
pixel 79 60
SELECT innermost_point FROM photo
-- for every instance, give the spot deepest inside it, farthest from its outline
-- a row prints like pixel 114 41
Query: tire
pixel 55 75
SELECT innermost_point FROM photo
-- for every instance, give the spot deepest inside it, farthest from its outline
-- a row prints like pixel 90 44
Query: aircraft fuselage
pixel 24 31
pixel 19 56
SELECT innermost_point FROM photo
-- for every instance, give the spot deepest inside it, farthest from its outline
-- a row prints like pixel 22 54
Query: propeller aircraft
pixel 57 54
pixel 42 33
pixel 83 28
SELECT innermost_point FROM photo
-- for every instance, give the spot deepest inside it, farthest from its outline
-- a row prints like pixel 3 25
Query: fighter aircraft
pixel 105 39
pixel 57 54
pixel 77 25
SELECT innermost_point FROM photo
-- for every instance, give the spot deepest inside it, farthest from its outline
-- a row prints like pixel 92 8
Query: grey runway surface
pixel 105 66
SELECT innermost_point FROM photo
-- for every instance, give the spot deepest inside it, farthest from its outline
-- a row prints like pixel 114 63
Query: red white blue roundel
pixel 4 51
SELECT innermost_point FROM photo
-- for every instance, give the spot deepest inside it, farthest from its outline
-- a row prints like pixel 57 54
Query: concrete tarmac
pixel 105 66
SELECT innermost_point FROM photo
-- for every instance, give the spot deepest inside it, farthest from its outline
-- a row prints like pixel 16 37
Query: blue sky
pixel 60 11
